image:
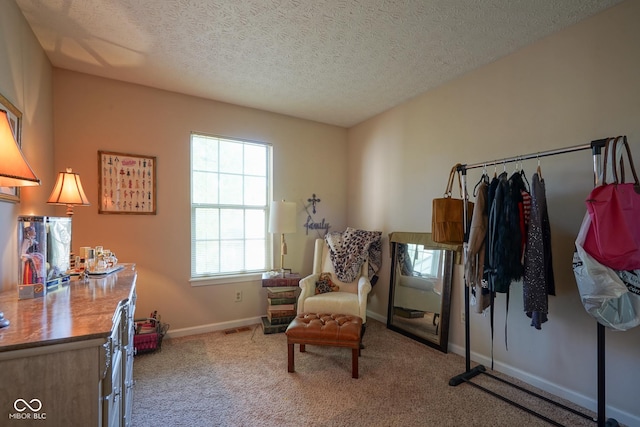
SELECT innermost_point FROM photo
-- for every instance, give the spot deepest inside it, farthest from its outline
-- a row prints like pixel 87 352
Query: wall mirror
pixel 420 288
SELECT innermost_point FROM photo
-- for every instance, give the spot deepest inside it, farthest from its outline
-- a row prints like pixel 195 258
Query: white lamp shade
pixel 14 169
pixel 68 190
pixel 282 218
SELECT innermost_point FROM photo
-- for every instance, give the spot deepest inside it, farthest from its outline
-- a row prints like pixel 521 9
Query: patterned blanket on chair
pixel 349 249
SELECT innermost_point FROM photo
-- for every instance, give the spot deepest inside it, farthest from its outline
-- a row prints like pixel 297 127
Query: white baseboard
pixel 377 317
pixel 555 389
pixel 213 327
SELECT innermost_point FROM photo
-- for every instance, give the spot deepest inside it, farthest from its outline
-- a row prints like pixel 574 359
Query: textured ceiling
pixel 333 61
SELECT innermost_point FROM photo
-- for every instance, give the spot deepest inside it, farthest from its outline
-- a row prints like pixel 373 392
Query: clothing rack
pixel 465 377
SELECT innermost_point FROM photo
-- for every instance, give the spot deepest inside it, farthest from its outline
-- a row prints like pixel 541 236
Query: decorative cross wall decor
pixel 313 202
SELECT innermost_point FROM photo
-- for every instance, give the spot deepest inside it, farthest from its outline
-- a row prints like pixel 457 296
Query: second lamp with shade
pixel 68 191
pixel 282 220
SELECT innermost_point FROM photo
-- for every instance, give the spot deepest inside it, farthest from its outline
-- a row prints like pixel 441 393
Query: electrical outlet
pixel 238 296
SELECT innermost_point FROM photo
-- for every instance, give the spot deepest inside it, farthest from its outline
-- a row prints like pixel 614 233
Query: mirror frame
pixel 452 256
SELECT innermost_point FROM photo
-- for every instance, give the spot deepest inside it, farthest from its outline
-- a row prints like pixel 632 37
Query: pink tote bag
pixel 614 236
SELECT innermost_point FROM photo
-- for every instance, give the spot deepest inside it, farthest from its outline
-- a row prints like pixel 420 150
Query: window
pixel 426 262
pixel 230 187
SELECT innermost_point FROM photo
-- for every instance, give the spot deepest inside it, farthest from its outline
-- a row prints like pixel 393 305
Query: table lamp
pixel 68 191
pixel 282 219
pixel 14 169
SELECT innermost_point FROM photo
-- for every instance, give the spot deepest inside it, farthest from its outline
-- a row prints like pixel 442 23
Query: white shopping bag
pixel 602 292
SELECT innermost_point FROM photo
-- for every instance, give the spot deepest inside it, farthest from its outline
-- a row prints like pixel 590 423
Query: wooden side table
pixel 281 304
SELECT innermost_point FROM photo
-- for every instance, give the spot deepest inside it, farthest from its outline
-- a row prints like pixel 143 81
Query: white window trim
pixel 254 276
pixel 224 280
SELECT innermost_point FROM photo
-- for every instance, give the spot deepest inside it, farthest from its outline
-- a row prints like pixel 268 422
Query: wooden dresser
pixel 67 358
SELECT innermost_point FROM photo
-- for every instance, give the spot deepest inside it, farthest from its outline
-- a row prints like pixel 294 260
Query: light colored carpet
pixel 241 379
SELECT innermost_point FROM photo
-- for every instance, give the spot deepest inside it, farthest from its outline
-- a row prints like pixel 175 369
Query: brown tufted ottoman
pixel 335 330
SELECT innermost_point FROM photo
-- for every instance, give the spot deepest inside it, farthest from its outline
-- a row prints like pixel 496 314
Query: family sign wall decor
pixel 127 183
pixel 311 223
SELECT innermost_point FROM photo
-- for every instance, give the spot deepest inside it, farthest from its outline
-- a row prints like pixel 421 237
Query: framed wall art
pixel 127 183
pixel 12 194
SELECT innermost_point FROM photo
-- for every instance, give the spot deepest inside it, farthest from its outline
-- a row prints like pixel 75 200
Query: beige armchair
pixel 350 299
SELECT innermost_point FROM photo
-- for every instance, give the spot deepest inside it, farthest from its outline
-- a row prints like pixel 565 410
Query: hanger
pixel 516 167
pixel 538 170
pixel 524 177
pixel 519 174
pixel 484 178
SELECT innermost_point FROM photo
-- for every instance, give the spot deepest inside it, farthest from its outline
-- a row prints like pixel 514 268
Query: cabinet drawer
pixel 112 400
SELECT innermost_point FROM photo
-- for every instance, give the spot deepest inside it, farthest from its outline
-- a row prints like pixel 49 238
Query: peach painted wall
pixel 94 114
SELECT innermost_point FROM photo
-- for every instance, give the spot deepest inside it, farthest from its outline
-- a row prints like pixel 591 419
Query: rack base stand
pixel 466 376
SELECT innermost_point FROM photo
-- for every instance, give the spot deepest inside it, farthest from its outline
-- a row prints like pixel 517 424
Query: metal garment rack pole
pixel 465 377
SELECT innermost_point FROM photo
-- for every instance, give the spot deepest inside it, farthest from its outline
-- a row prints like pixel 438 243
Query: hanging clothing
pixel 495 231
pixel 515 217
pixel 524 219
pixel 506 239
pixel 538 281
pixel 490 262
pixel 474 267
pixel 491 195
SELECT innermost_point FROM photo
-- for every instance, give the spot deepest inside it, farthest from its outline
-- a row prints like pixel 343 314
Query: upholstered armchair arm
pixel 307 289
pixel 364 287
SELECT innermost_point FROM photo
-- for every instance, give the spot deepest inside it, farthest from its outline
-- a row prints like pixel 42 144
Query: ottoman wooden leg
pixel 291 366
pixel 354 362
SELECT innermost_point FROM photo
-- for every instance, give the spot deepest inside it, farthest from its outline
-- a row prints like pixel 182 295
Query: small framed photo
pixel 127 183
pixel 12 194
